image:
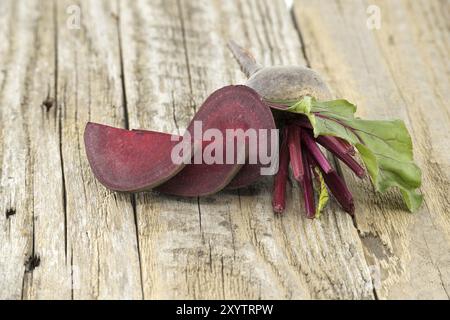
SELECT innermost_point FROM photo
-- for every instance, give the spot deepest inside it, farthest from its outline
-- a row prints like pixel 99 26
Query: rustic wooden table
pixel 149 64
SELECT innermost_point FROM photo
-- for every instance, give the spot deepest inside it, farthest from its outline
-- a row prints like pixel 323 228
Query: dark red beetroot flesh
pixel 248 174
pixel 125 160
pixel 137 160
pixel 231 107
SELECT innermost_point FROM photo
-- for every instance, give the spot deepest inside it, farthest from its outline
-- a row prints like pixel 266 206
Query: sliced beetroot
pixel 136 160
pixel 200 180
pixel 125 160
pixel 248 174
pixel 231 107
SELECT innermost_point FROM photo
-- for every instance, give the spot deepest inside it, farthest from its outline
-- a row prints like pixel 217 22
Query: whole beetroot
pixel 277 83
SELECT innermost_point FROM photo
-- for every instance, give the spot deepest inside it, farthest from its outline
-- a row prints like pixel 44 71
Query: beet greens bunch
pixel 294 99
pixel 385 147
pixel 311 167
pixel 302 94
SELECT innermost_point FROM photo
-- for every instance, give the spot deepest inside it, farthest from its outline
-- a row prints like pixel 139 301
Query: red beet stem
pixel 302 122
pixel 307 184
pixel 348 147
pixel 280 180
pixel 333 146
pixel 338 188
pixel 295 151
pixel 332 142
pixel 316 153
pixel 340 191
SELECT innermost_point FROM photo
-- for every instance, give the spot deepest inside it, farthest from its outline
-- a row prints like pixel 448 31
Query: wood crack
pixel 59 116
pixel 191 91
pixel 300 37
pixel 71 274
pixel 127 126
pixel 138 246
pixel 174 114
pixel 122 73
pixel 337 164
pixel 266 32
pixel 186 54
pixel 200 219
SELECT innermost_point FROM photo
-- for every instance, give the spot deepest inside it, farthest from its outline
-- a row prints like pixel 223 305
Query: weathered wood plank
pixel 228 245
pixel 93 243
pixel 32 260
pixel 400 70
pixel 101 235
pixel 63 236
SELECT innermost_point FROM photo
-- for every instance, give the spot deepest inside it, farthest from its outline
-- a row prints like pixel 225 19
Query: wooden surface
pixel 150 64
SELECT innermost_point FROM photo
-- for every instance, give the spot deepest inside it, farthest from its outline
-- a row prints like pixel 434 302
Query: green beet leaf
pixel 384 146
pixel 322 191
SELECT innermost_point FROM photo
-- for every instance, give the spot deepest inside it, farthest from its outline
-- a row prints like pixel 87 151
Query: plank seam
pixel 337 164
pixel 300 36
pixel 191 99
pixel 127 126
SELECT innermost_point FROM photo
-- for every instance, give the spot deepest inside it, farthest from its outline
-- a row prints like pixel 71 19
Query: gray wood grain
pixel 150 64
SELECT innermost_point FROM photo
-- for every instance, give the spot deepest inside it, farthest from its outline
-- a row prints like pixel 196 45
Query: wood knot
pixel 48 103
pixel 10 212
pixel 32 262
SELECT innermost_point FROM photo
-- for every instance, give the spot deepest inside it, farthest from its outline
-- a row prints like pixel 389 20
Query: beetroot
pixel 273 84
pixel 138 160
pixel 233 139
pixel 282 87
pixel 231 107
pixel 124 160
pixel 277 83
pixel 247 175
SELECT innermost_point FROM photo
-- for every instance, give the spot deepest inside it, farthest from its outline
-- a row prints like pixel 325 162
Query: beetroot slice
pixel 248 174
pixel 125 160
pixel 231 107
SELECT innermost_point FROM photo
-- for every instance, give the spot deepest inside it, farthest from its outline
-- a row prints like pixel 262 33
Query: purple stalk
pixel 338 189
pixel 302 122
pixel 349 148
pixel 337 149
pixel 307 184
pixel 316 153
pixel 331 142
pixel 295 152
pixel 280 180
